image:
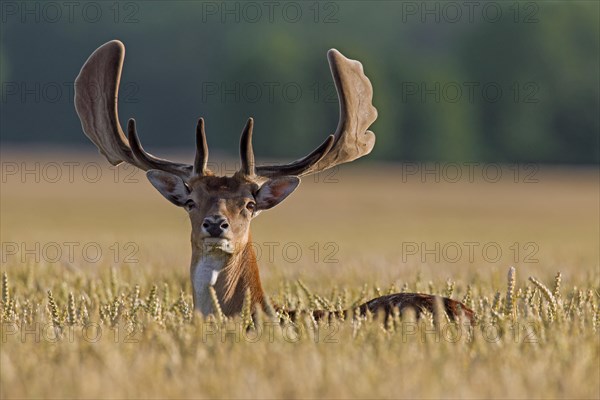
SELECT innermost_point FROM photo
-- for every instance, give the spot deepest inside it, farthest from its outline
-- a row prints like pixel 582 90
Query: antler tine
pixel 201 150
pixel 297 168
pixel 146 161
pixel 246 151
pixel 136 146
pixel 96 93
pixel 351 140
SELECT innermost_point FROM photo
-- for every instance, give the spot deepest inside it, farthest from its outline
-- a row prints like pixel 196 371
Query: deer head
pixel 221 208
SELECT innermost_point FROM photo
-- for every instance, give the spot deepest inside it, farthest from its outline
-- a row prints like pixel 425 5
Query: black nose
pixel 215 226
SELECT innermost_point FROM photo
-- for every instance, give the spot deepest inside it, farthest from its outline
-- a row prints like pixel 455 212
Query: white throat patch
pixel 205 274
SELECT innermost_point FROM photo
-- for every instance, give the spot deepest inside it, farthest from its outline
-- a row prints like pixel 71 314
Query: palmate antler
pixel 352 139
pixel 96 94
pixel 96 102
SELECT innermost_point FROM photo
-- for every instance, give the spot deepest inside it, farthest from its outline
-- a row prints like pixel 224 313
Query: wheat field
pixel 96 299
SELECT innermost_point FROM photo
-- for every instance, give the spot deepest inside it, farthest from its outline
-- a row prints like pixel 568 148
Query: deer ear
pixel 275 191
pixel 170 186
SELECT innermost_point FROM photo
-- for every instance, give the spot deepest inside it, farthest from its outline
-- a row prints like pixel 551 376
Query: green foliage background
pixel 544 56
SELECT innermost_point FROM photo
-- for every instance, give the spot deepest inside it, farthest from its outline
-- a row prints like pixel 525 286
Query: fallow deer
pixel 221 208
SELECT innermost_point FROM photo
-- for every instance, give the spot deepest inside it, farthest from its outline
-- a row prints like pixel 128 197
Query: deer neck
pixel 230 274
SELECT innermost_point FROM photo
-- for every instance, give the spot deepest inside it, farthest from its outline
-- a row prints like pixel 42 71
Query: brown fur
pixel 235 279
pixel 417 302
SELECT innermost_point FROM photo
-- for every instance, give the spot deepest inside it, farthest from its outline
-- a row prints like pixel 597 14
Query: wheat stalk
pixel 509 305
pixel 548 295
pixel 247 310
pixel 71 313
pixel 557 281
pixel 5 290
pixel 216 306
pixel 449 288
pixel 53 310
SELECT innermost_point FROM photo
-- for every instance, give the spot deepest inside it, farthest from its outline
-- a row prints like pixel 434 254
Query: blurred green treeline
pixel 499 81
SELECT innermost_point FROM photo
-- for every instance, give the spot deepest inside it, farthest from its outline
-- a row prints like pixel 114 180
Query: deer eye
pixel 251 206
pixel 190 205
